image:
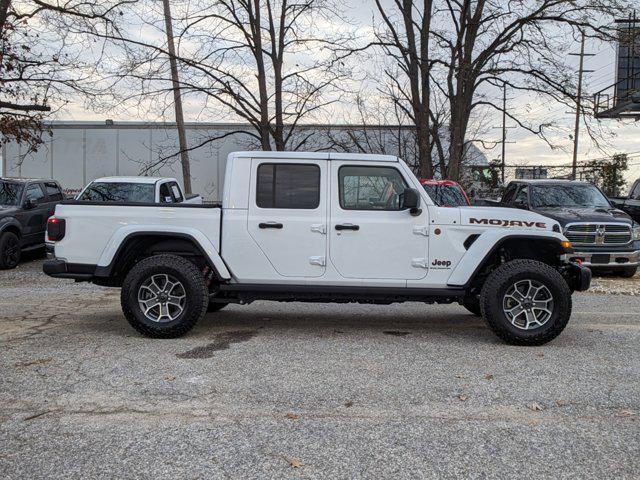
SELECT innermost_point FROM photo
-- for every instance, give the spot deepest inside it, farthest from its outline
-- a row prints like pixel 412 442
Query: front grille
pixel 598 234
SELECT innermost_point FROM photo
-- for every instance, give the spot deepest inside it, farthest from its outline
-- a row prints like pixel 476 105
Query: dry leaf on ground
pixel 488 376
pixel 535 406
pixel 463 398
pixel 292 416
pixel 294 462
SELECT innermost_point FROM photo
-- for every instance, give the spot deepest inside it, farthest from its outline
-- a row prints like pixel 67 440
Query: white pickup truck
pixel 136 190
pixel 319 227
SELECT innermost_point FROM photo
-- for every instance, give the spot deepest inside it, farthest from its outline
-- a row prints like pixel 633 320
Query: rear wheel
pixel 164 296
pixel 9 250
pixel 526 302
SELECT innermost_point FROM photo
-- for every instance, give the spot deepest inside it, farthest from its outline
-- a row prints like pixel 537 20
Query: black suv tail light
pixel 56 228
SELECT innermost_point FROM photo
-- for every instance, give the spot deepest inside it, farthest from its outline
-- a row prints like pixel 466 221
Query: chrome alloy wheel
pixel 162 298
pixel 528 304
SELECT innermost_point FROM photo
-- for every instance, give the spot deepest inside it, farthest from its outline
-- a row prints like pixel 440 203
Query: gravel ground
pixel 311 391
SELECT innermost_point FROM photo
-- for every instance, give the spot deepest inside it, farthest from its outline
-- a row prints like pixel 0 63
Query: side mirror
pixel 410 200
pixel 30 203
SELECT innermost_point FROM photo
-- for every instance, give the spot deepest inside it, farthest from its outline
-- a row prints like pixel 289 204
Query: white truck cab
pixel 320 227
pixel 136 190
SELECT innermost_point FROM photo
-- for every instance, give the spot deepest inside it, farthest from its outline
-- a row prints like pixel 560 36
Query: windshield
pixel 446 195
pixel 10 193
pixel 119 192
pixel 575 195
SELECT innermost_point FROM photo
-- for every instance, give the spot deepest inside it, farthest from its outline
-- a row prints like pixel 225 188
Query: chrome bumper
pixel 606 259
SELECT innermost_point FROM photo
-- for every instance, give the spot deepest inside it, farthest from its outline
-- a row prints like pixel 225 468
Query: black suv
pixel 602 235
pixel 25 207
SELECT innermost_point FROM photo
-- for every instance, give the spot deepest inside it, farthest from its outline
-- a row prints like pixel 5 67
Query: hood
pixel 566 215
pixel 505 217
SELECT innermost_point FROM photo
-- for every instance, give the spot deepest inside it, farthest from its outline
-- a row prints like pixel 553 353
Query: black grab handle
pixel 347 227
pixel 270 225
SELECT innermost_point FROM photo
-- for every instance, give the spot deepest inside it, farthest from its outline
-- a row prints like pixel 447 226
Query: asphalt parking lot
pixel 311 391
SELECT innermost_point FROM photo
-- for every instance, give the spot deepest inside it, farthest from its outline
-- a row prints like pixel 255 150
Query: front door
pixel 370 237
pixel 288 215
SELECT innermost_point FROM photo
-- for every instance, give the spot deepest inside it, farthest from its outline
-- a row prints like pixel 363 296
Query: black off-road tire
pixel 215 306
pixel 496 286
pixel 627 272
pixel 9 251
pixel 472 303
pixel 197 296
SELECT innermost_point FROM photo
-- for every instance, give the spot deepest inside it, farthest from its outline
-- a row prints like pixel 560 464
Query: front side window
pixel 287 185
pixel 34 192
pixel 635 195
pixel 521 197
pixel 165 194
pixel 119 192
pixel 370 188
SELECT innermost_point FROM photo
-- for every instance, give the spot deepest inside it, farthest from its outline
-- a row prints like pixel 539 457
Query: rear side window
pixel 53 192
pixel 287 185
pixel 119 192
pixel 370 188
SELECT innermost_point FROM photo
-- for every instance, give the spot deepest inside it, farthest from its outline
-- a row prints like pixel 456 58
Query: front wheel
pixel 164 296
pixel 526 302
pixel 627 272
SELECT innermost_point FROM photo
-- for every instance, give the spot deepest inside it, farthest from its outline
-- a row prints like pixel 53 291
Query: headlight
pixel 636 232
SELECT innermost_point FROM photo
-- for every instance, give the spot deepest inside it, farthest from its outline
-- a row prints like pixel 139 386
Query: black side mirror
pixel 30 203
pixel 410 200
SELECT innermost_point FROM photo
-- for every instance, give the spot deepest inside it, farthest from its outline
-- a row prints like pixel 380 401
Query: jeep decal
pixel 506 223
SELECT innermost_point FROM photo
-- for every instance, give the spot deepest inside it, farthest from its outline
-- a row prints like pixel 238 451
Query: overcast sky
pixel 623 136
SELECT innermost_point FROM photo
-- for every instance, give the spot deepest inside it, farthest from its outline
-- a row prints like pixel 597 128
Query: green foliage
pixel 608 174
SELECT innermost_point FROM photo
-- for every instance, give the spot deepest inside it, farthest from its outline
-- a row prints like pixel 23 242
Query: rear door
pixel 288 215
pixel 370 237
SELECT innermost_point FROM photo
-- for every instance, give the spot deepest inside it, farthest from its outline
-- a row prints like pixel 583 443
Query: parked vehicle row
pixel 320 227
pixel 27 204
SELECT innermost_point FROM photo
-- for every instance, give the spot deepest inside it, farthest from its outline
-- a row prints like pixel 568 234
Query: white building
pixel 78 152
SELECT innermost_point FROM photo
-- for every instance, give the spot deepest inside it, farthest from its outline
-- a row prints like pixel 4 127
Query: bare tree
pixel 264 62
pixel 41 65
pixel 467 48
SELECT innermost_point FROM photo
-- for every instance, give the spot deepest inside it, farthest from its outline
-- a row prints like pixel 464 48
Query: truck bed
pixel 94 230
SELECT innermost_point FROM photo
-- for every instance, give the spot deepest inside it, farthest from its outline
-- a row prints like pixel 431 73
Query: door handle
pixel 347 226
pixel 270 225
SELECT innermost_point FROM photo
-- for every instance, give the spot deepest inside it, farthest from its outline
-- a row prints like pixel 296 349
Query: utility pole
pixel 576 131
pixel 177 100
pixel 503 142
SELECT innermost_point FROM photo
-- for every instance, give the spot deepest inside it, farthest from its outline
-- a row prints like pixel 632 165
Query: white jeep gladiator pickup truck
pixel 320 227
pixel 136 190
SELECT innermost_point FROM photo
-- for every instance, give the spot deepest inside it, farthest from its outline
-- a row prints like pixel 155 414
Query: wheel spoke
pixel 528 304
pixel 162 298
